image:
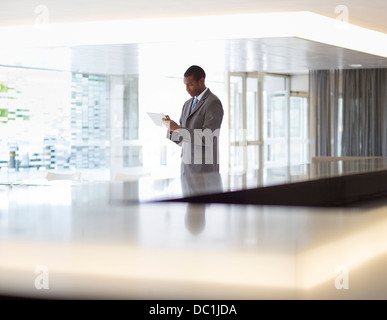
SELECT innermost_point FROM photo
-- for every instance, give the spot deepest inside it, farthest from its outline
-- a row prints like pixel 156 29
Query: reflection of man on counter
pixel 200 120
pixel 196 190
pixel 195 218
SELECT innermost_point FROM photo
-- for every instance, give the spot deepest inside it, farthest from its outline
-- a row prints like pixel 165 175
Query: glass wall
pixel 88 121
pixel 237 124
pixel 299 129
pixel 269 126
pixel 93 124
pixel 63 121
pixel 35 119
pixel 51 120
pixel 275 120
pixel 252 124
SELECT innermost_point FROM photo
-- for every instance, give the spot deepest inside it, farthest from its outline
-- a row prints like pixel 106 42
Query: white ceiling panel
pixel 368 14
pixel 290 55
pixel 284 54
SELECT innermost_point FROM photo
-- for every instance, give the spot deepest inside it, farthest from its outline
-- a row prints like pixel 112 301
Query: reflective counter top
pixel 279 185
pixel 78 240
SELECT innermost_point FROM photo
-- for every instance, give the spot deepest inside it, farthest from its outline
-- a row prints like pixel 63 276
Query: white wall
pixel 299 83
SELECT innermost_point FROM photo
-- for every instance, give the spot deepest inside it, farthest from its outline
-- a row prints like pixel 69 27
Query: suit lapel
pixel 187 109
pixel 200 103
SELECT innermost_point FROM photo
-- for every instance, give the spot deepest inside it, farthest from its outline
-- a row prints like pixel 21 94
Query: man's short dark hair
pixel 195 71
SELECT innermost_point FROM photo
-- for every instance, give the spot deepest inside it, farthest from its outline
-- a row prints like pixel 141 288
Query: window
pixel 269 127
pixel 299 129
pixel 51 120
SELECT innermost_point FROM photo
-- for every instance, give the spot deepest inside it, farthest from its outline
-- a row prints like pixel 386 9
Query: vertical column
pixel 126 149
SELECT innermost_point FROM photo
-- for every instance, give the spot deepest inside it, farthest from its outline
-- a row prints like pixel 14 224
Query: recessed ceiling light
pixel 356 65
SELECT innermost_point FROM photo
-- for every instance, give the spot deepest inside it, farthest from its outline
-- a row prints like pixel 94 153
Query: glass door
pixel 265 125
pixel 237 123
pixel 244 129
pixel 275 93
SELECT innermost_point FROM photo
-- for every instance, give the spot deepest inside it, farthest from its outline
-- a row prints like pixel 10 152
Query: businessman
pixel 199 126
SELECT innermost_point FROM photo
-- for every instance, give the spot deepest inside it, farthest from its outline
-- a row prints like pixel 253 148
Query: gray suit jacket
pixel 199 135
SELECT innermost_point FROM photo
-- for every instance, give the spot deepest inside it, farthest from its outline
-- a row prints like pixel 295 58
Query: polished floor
pixel 67 239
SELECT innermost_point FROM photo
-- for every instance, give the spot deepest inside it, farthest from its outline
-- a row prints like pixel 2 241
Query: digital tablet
pixel 156 117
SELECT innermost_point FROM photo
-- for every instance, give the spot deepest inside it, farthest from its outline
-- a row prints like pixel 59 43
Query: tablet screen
pixel 156 117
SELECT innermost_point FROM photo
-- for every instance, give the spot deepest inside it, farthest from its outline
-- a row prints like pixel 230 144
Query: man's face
pixel 193 87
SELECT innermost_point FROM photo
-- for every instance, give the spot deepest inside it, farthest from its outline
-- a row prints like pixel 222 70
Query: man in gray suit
pixel 198 131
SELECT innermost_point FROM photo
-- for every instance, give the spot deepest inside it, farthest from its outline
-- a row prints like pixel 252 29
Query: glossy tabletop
pixel 149 189
pixel 67 239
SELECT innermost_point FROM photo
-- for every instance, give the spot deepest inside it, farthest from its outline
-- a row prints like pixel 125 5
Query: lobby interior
pixel 100 211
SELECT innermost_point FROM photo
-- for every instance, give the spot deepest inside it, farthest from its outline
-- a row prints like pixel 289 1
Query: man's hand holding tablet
pixel 170 124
